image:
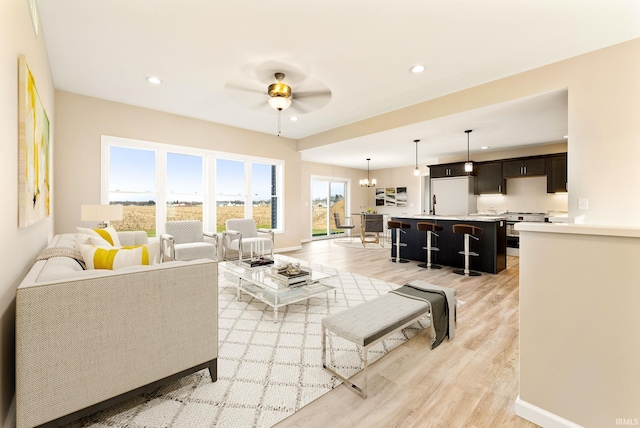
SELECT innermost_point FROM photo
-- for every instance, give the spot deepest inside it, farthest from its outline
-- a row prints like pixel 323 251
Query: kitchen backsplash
pixel 526 194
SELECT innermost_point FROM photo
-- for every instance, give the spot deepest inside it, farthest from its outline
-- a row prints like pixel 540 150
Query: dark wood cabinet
pixel 525 167
pixel 447 170
pixel 489 178
pixel 491 247
pixel 556 173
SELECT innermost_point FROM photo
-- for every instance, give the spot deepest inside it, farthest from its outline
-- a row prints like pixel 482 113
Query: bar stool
pixel 431 229
pixel 468 231
pixel 399 227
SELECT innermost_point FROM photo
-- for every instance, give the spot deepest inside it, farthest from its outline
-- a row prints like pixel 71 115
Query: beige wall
pixel 83 120
pixel 579 324
pixel 19 246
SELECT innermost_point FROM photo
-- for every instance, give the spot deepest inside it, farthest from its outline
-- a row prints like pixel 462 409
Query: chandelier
pixel 366 182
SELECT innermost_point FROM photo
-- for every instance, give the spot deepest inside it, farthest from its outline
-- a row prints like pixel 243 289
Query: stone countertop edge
pixel 454 217
pixel 580 229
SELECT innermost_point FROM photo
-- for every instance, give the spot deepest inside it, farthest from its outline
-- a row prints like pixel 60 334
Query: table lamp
pixel 101 214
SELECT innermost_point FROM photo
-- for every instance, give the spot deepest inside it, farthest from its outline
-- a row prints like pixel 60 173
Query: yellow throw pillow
pixel 115 258
pixel 109 234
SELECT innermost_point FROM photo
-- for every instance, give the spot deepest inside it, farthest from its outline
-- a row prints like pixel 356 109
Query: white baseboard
pixel 10 421
pixel 541 417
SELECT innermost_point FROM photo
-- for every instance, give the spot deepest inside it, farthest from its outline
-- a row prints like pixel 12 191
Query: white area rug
pixel 266 370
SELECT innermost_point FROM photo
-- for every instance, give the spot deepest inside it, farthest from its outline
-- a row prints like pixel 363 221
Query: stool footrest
pixel 471 253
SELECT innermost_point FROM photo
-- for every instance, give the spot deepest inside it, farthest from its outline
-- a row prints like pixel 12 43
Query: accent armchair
pixel 185 240
pixel 243 236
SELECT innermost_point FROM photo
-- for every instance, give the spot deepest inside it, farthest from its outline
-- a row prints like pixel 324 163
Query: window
pixel 184 187
pixel 157 183
pixel 132 183
pixel 247 189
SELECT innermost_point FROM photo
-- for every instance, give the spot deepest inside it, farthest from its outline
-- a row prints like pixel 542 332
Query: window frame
pixel 210 185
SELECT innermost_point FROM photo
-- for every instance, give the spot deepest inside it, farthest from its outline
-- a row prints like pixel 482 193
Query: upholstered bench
pixel 373 321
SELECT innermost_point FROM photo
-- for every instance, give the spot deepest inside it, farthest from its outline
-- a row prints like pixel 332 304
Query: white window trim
pixel 209 173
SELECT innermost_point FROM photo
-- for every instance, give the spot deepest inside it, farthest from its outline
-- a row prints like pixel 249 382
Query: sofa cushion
pixel 116 258
pixel 85 239
pixel 109 234
pixel 58 268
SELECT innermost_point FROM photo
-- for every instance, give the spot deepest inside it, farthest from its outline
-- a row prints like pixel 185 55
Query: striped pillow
pixel 116 258
pixel 109 234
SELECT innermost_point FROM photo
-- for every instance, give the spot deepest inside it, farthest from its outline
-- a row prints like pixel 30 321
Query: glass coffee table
pixel 265 286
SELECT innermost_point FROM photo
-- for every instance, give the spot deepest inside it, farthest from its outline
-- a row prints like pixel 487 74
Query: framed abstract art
pixel 34 162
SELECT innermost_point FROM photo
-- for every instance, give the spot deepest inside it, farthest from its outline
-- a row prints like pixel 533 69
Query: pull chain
pixel 279 121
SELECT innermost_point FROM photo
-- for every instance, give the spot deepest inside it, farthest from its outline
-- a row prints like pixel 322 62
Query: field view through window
pixel 134 180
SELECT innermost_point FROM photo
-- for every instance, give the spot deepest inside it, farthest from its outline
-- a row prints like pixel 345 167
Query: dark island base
pixel 492 246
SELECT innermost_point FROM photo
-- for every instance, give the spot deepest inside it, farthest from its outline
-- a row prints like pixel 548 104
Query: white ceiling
pixel 361 50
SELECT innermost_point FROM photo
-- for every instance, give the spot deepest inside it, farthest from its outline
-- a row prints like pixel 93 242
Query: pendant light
pixel 468 165
pixel 365 182
pixel 416 171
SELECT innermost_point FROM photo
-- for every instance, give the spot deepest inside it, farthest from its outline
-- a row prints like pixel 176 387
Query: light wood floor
pixel 471 381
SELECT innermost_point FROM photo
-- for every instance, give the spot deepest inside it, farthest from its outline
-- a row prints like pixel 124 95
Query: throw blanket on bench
pixel 51 252
pixel 441 307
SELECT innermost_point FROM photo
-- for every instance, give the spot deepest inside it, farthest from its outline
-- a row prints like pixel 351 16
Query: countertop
pixel 581 229
pixel 485 218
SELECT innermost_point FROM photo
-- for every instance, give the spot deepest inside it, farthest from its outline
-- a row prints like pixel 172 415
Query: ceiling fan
pixel 280 87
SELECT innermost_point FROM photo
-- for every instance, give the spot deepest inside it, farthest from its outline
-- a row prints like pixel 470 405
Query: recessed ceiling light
pixel 293 118
pixel 417 69
pixel 566 136
pixel 484 147
pixel 154 80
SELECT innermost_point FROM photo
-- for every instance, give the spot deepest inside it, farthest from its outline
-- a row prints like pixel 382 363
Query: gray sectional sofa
pixel 86 339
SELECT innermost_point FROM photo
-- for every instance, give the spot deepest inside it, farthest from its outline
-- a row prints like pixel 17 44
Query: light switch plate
pixel 583 203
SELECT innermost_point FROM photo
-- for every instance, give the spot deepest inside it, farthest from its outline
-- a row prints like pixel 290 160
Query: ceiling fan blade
pixel 311 100
pixel 299 108
pixel 251 96
pixel 307 94
pixel 233 86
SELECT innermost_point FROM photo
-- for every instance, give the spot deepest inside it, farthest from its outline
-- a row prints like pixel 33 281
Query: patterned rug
pixel 266 370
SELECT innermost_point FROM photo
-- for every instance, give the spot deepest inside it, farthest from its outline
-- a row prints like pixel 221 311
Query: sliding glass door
pixel 328 196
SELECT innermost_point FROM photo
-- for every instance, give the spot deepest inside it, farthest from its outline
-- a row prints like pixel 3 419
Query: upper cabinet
pixel 489 179
pixel 447 170
pixel 557 173
pixel 525 167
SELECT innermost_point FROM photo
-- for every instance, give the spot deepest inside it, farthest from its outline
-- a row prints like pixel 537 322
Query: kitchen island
pixel 492 246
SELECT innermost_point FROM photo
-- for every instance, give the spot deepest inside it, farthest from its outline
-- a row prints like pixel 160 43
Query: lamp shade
pixel 279 103
pixel 101 213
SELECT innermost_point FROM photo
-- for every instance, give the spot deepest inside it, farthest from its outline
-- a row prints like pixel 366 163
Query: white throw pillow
pixel 116 258
pixel 109 234
pixel 84 239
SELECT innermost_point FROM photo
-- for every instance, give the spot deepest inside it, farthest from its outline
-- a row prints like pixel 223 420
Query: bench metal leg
pixel 362 392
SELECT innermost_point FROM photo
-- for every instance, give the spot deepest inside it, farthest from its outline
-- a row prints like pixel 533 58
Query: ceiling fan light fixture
pixel 279 93
pixel 279 103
